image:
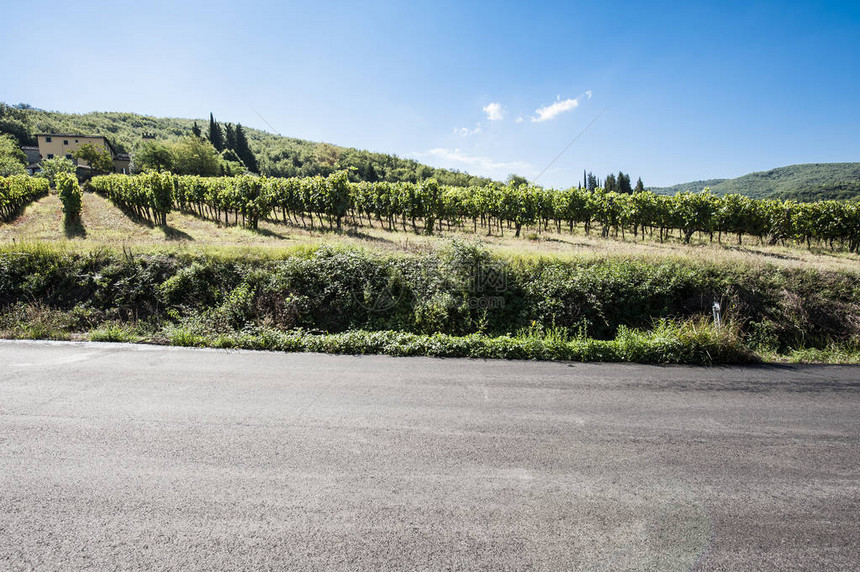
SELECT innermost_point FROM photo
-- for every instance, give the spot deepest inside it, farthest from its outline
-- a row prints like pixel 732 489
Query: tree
pixel 194 156
pixel 229 137
pixel 515 180
pixel 96 156
pixel 51 168
pixel 327 155
pixel 639 186
pixel 195 130
pixel 243 150
pixel 12 159
pixel 9 167
pixel 592 182
pixel 216 136
pixel 610 184
pixel 15 122
pixel 153 155
pixel 623 182
pixel 9 148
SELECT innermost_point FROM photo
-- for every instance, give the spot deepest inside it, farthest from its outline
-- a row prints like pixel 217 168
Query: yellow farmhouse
pixel 53 145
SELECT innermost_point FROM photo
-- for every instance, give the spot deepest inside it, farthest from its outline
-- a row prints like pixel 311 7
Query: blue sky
pixel 687 90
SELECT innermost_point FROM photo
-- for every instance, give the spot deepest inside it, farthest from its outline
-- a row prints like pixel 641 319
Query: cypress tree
pixel 229 137
pixel 216 136
pixel 244 150
pixel 610 183
pixel 639 186
pixel 195 129
pixel 623 183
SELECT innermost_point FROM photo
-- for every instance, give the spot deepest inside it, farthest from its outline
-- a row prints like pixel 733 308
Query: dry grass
pixel 103 225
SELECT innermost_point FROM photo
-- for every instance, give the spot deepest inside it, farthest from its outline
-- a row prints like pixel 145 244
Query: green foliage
pixel 17 192
pixel 231 164
pixel 71 195
pixel 154 156
pixel 813 181
pixel 10 166
pixel 12 158
pixel 96 156
pixel 668 343
pixel 149 196
pixel 229 137
pixel 841 191
pixel 334 197
pixel 52 168
pixel 15 121
pixel 9 149
pixel 243 150
pixel 114 332
pixel 216 135
pixel 195 156
pixel 460 291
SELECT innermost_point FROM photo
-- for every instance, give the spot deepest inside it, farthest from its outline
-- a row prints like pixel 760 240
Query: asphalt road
pixel 124 457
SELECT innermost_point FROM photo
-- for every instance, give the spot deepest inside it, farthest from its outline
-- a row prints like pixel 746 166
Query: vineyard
pixel 17 192
pixel 428 207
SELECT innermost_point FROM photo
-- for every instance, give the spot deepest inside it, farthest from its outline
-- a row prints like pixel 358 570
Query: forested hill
pixel 808 182
pixel 694 186
pixel 276 155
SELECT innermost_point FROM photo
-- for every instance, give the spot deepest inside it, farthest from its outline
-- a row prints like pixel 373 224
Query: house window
pixel 76 140
pixel 47 139
pixel 50 155
pixel 68 155
pixel 65 141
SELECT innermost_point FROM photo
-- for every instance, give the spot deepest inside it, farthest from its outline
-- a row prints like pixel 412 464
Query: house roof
pixel 67 135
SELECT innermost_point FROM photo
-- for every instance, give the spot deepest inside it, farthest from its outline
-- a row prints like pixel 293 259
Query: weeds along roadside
pixel 458 301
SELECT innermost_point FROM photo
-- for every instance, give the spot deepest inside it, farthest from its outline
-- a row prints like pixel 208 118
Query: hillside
pixel 276 155
pixel 807 182
pixel 691 186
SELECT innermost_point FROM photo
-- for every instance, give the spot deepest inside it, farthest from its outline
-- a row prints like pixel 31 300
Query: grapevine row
pixel 427 207
pixel 17 192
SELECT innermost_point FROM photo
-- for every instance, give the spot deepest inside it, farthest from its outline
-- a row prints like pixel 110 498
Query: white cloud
pixel 466 132
pixel 551 111
pixel 494 111
pixel 588 94
pixel 454 158
pixel 519 120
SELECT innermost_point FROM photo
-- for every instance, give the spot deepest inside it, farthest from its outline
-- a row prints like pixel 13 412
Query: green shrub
pixel 596 309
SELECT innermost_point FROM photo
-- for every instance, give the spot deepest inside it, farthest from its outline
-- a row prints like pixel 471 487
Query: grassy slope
pixel 809 181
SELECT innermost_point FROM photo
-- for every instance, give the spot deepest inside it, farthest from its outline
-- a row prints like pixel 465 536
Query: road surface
pixel 135 457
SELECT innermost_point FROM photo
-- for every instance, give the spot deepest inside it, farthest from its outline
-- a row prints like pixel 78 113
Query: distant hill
pixel 807 182
pixel 276 155
pixel 691 186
